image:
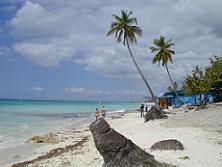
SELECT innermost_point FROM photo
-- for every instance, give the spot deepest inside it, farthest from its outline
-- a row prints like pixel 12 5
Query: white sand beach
pixel 199 131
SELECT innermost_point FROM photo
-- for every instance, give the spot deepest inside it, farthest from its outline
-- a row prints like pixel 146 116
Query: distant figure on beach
pixel 146 108
pixel 142 110
pixel 97 113
pixel 103 112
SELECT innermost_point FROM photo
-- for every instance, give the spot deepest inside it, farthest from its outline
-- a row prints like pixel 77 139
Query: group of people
pixel 142 109
pixel 101 112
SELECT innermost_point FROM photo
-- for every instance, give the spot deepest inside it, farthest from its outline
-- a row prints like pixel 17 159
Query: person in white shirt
pixel 103 112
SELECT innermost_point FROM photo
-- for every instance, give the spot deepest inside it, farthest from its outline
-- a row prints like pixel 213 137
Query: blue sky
pixel 59 49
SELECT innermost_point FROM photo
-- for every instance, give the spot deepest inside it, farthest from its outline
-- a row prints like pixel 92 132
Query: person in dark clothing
pixel 142 110
pixel 146 108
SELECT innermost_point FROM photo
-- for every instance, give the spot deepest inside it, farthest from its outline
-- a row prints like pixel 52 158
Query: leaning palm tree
pixel 125 30
pixel 164 54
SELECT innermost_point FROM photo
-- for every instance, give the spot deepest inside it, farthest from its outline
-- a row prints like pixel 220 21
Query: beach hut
pixel 169 99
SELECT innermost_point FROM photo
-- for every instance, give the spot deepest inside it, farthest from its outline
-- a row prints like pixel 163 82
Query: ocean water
pixel 21 119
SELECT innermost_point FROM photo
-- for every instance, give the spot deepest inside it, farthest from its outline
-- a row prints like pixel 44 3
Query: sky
pixel 58 49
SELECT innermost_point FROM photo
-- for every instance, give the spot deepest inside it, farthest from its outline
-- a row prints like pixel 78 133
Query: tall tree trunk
pixel 172 82
pixel 138 69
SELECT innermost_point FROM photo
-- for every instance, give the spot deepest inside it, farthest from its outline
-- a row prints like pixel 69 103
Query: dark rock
pixel 191 107
pixel 171 144
pixel 201 107
pixel 117 150
pixel 154 113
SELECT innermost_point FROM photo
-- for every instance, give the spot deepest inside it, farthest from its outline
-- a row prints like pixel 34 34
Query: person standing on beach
pixel 146 108
pixel 97 114
pixel 142 110
pixel 103 112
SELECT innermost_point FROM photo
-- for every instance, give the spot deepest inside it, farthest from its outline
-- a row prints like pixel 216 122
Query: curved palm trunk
pixel 138 69
pixel 172 82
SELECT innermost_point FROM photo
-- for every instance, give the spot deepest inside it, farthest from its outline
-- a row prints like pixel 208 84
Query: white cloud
pixel 133 92
pixel 50 32
pixel 84 91
pixel 44 54
pixel 37 88
pixel 34 20
pixel 75 90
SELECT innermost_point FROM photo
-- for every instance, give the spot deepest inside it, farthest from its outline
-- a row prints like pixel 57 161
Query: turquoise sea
pixel 21 119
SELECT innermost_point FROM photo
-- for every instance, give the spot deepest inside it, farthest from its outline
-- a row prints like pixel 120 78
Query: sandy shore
pixel 199 131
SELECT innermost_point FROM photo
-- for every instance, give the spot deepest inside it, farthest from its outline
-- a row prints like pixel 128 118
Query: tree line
pixel 203 82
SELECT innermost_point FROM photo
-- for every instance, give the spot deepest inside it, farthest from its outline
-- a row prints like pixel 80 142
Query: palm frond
pixel 130 13
pixel 124 15
pixel 168 45
pixel 156 59
pixel 113 30
pixel 110 32
pixel 170 58
pixel 117 31
pixel 117 18
pixel 119 38
pixel 137 30
pixel 171 52
pixel 132 20
pixel 153 49
pixel 114 24
pixel 124 38
pixel 157 42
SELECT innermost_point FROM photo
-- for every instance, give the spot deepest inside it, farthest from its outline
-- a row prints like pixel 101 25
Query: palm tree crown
pixel 164 53
pixel 124 28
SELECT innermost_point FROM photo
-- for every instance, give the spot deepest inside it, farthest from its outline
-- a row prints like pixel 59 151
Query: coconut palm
pixel 125 30
pixel 163 54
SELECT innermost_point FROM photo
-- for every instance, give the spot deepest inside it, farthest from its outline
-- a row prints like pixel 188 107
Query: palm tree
pixel 164 54
pixel 125 29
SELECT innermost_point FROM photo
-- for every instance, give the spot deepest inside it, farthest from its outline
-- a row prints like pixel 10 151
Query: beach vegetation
pixel 163 54
pixel 214 77
pixel 195 84
pixel 184 157
pixel 168 165
pixel 125 30
pixel 200 83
